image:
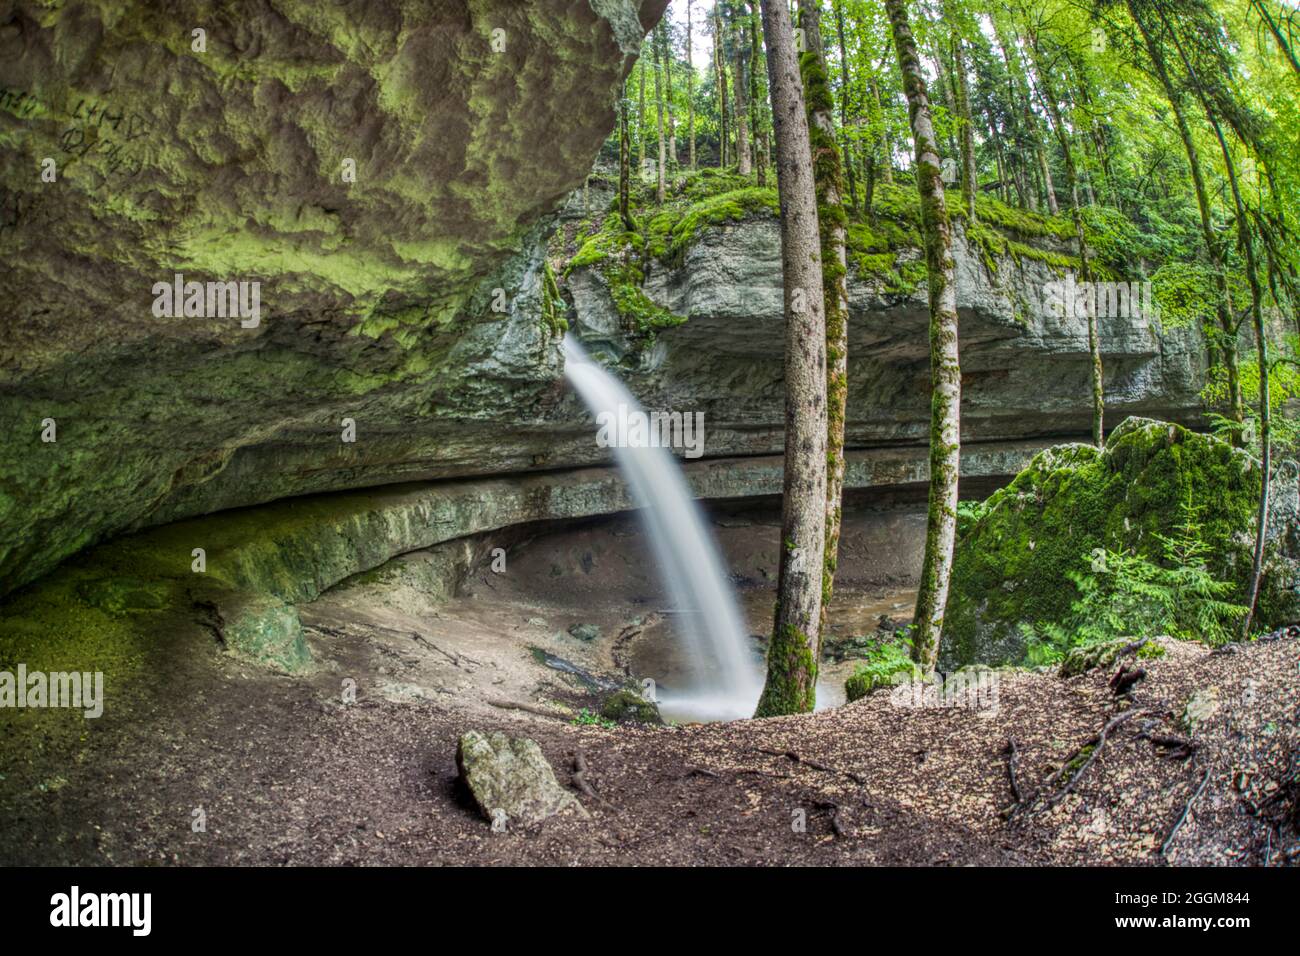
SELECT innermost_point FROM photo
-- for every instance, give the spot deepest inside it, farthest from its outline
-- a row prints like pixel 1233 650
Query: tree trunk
pixel 833 226
pixel 969 169
pixel 886 161
pixel 668 89
pixel 720 77
pixel 661 188
pixel 1223 305
pixel 740 53
pixel 945 370
pixel 690 89
pixel 846 152
pixel 640 124
pixel 624 162
pixel 757 100
pixel 791 685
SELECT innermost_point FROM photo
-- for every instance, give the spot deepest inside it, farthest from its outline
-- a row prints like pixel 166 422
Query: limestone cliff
pixel 375 166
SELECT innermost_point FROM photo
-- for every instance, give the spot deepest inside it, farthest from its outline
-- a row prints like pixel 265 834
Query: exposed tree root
pixel 1182 817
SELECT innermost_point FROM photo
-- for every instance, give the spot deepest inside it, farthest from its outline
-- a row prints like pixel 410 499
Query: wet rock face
pixel 379 170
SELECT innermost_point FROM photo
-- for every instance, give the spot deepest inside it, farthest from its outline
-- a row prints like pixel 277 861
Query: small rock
pixel 584 632
pixel 1200 707
pixel 512 775
pixel 627 706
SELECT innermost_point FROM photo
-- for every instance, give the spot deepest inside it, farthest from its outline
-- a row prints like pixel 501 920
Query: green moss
pixel 791 686
pixel 1011 563
pixel 627 706
pixel 884 660
pixel 553 306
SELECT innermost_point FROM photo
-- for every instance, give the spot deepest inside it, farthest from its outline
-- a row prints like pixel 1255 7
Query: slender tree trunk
pixel 833 225
pixel 969 170
pixel 847 151
pixel 690 88
pixel 791 685
pixel 740 53
pixel 1276 30
pixel 624 162
pixel 945 369
pixel 640 123
pixel 886 163
pixel 720 72
pixel 1223 297
pixel 661 189
pixel 757 101
pixel 668 89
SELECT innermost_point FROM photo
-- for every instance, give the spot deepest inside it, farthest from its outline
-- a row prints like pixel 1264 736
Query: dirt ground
pixel 281 770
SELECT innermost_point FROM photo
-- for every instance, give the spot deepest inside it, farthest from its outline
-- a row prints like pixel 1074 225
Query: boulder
pixel 511 776
pixel 1012 564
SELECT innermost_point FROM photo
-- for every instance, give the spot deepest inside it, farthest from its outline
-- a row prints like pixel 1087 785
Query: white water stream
pixel 726 676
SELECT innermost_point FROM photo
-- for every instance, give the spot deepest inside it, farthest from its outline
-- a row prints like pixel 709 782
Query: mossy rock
pixel 864 681
pixel 629 707
pixel 1011 564
pixel 268 632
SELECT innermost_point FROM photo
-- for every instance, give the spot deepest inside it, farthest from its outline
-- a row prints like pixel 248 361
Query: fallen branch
pixel 580 778
pixel 1125 678
pixel 1013 767
pixel 451 656
pixel 1179 748
pixel 1182 817
pixel 813 764
pixel 530 708
pixel 1097 741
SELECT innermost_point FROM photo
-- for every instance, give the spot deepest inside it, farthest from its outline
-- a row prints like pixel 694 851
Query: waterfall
pixel 726 680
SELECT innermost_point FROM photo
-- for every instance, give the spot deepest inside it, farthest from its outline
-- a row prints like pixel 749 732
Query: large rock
pixel 1011 566
pixel 510 776
pixel 468 123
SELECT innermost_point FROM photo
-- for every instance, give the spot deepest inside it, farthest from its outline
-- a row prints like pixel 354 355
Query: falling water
pixel 726 681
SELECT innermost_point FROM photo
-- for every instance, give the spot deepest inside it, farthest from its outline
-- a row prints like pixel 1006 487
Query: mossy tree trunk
pixel 945 369
pixel 1223 293
pixel 640 122
pixel 668 88
pixel 690 89
pixel 833 225
pixel 720 78
pixel 846 151
pixel 624 163
pixel 1274 27
pixel 791 685
pixel 758 102
pixel 740 55
pixel 961 87
pixel 661 187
